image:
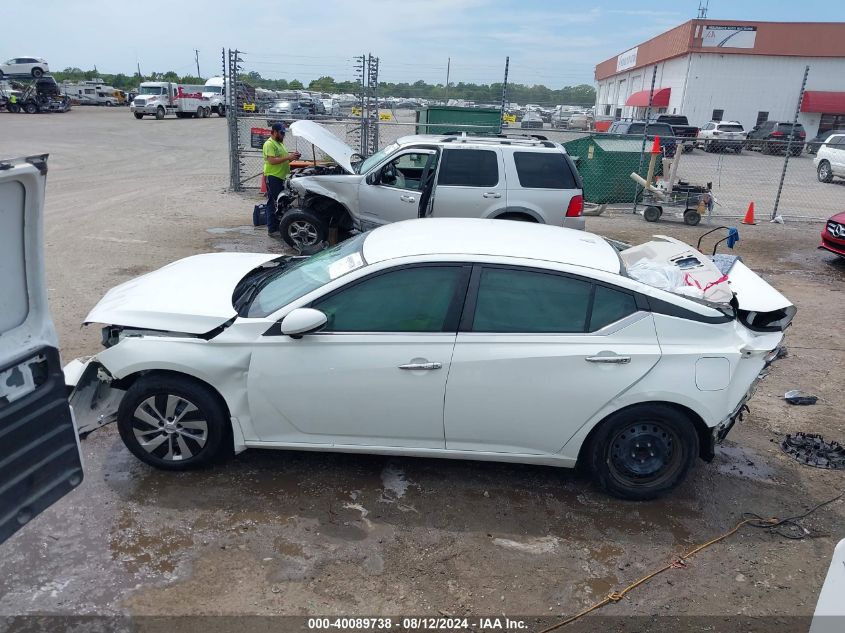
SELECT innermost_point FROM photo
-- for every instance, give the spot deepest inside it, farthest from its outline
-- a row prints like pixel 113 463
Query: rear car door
pixel 471 183
pixel 39 451
pixel 538 354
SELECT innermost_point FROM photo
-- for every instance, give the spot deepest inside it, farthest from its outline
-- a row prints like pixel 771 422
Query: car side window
pixel 416 299
pixel 609 306
pixel 404 172
pixel 524 301
pixel 543 170
pixel 469 168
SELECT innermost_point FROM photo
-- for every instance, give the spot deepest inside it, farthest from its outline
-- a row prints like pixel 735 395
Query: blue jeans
pixel 274 188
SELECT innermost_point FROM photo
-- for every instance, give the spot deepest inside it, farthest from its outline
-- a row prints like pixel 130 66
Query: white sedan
pixel 456 338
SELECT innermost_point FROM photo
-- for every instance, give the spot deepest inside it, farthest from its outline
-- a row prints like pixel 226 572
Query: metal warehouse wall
pixel 744 85
pixel 614 91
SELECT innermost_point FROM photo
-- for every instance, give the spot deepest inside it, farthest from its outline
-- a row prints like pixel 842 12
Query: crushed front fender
pixel 93 398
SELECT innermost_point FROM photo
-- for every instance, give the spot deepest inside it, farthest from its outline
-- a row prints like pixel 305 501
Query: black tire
pixel 37 72
pixel 824 172
pixel 159 113
pixel 643 452
pixel 30 108
pixel 200 113
pixel 652 214
pixel 221 110
pixel 708 146
pixel 138 115
pixel 738 149
pixel 302 229
pixel 141 416
pixel 692 217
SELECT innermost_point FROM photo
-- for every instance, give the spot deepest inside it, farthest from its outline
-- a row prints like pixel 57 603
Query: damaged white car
pixel 457 338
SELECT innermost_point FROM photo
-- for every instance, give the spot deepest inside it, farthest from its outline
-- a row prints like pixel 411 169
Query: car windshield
pixel 375 159
pixel 306 275
pixel 150 90
pixel 730 128
pixel 215 89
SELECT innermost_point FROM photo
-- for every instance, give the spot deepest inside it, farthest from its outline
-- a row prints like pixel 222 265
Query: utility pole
pixel 702 9
pixel 140 76
pixel 197 57
pixel 448 68
pixel 505 88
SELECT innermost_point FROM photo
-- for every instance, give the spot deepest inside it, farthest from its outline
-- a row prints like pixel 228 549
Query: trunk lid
pixel 191 295
pixel 317 135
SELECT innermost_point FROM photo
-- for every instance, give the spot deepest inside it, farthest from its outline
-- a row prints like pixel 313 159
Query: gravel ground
pixel 309 533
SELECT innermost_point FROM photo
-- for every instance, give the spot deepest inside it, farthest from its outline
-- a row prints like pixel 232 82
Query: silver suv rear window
pixel 543 170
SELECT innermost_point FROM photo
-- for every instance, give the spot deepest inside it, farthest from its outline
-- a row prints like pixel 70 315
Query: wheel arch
pixel 327 207
pixel 529 214
pixel 705 443
pixel 127 381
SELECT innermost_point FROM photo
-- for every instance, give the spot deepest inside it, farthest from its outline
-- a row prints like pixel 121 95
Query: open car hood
pixel 316 134
pixel 191 295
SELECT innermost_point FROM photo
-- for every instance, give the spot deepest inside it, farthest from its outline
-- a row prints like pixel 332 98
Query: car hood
pixel 839 217
pixel 316 134
pixel 191 295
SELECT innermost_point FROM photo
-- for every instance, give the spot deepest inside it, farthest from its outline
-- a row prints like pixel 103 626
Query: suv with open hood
pixel 516 178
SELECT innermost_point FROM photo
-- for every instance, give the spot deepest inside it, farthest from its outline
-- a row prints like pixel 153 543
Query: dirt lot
pixel 310 533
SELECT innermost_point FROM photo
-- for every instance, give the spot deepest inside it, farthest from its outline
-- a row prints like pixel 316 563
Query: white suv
pixel 830 158
pixel 33 66
pixel 721 135
pixel 429 175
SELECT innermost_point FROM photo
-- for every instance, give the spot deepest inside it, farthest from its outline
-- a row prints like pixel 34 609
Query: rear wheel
pixel 30 108
pixel 302 229
pixel 221 110
pixel 173 423
pixel 824 172
pixel 692 217
pixel 37 72
pixel 643 452
pixel 519 217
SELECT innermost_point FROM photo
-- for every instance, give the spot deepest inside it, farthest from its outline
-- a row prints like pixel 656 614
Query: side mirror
pixel 303 321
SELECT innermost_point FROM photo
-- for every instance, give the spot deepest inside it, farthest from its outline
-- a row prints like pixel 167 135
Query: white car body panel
pixel 829 616
pixel 833 151
pixel 198 300
pixel 474 405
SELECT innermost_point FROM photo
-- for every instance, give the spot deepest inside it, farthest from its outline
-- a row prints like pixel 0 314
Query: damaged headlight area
pixel 94 398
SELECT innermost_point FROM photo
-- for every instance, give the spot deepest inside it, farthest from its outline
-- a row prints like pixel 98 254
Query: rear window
pixel 730 128
pixel 469 168
pixel 661 129
pixel 788 126
pixel 543 170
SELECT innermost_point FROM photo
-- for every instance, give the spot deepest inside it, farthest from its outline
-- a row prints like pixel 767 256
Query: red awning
pixel 825 102
pixel 660 100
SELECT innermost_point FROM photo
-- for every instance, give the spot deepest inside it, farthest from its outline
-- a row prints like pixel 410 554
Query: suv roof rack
pixel 499 139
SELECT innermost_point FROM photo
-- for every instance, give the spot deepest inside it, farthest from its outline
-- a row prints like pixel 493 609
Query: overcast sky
pixel 552 42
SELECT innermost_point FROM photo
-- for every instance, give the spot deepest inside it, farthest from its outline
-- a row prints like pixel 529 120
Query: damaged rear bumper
pixel 92 396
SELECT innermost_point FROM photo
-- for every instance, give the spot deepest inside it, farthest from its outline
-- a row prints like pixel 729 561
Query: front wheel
pixel 302 229
pixel 159 113
pixel 824 172
pixel 221 110
pixel 173 423
pixel 138 115
pixel 30 108
pixel 643 452
pixel 37 72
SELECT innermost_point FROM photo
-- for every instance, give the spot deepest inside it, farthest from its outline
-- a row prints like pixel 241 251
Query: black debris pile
pixel 811 449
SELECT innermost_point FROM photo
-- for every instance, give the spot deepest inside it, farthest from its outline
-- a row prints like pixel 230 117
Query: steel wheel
pixel 643 452
pixel 170 427
pixel 825 173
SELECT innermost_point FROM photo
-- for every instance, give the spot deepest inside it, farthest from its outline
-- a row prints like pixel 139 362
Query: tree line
pixel 580 95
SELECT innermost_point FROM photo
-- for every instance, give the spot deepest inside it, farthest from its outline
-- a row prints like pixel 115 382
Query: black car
pixel 814 144
pixel 772 137
pixel 662 130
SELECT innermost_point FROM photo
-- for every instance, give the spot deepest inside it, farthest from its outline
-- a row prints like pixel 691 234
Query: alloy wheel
pixel 302 233
pixel 170 427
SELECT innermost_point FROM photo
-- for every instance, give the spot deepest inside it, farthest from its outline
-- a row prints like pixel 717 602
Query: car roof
pixel 459 140
pixel 497 238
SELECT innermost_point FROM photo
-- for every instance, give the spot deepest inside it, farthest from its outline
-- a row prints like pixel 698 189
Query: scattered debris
pixel 799 397
pixel 812 450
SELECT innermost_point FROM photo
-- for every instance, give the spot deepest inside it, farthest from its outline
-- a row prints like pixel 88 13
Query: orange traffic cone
pixel 263 184
pixel 655 147
pixel 749 215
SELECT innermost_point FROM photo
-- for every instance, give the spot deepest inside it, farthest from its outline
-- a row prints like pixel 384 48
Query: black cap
pixel 278 127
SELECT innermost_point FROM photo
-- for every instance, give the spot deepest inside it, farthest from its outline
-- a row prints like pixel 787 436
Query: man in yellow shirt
pixel 276 168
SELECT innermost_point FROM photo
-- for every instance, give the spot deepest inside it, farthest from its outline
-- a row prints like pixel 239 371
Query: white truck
pixel 160 98
pixel 215 91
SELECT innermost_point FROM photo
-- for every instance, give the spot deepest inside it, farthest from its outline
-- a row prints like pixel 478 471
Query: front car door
pixel 837 154
pixel 39 450
pixel 471 183
pixel 538 354
pixel 392 192
pixel 375 375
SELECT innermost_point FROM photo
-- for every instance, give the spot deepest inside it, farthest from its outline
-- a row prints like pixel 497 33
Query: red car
pixel 833 235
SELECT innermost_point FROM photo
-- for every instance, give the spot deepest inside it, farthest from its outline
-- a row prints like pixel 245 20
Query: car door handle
pixel 421 366
pixel 492 194
pixel 611 360
pixel 407 198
